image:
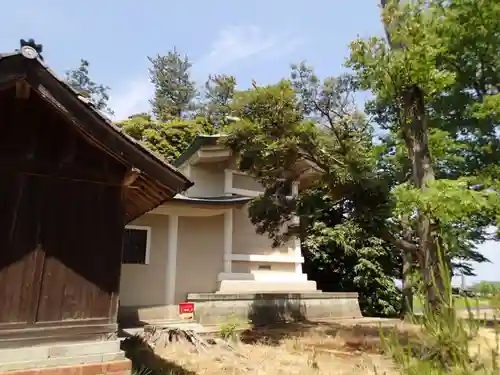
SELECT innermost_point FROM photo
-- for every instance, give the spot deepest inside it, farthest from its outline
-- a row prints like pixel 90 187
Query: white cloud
pixel 131 99
pixel 237 43
pixel 233 44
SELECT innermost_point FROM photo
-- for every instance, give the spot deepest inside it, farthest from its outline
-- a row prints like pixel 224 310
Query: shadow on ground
pixel 352 337
pixel 489 323
pixel 146 362
pixel 274 334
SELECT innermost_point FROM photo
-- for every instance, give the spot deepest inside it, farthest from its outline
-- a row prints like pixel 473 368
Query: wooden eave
pixel 157 181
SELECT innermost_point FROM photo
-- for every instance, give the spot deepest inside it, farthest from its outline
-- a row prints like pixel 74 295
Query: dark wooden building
pixel 69 182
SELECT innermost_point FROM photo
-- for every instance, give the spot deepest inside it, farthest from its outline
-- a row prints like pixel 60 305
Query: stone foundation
pixel 136 316
pixel 259 308
pixel 255 286
pixel 80 358
pixel 111 368
pixel 268 308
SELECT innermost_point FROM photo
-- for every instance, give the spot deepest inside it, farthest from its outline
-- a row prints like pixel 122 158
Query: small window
pixel 136 245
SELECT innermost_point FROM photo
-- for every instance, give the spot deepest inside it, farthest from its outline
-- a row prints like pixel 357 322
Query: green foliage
pixel 448 201
pixel 174 90
pixel 303 126
pixel 166 139
pixel 434 83
pixel 443 345
pixel 408 58
pixel 466 225
pixel 444 348
pixel 470 103
pixel 362 204
pixel 275 133
pixel 230 328
pixel 311 123
pixel 402 73
pixel 341 257
pixel 219 93
pixel 495 303
pixel 80 80
pixel 486 288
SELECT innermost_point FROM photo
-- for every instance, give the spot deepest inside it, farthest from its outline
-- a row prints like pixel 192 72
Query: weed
pixel 495 303
pixel 444 345
pixel 229 329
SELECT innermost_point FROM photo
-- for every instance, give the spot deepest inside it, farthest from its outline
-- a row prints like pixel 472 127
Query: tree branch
pixel 398 242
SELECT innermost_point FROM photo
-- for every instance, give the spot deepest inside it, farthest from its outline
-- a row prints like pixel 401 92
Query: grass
pixel 321 348
pixel 311 348
pixel 317 349
pixel 460 302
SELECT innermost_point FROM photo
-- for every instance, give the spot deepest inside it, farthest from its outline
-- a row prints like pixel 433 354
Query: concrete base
pixel 68 355
pixel 259 308
pixel 268 308
pixel 135 316
pixel 255 286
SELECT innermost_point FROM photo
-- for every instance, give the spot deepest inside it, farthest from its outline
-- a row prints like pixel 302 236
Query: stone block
pixel 36 353
pixel 259 308
pixel 253 286
pixel 268 308
pixel 57 355
pixel 133 316
pixel 83 348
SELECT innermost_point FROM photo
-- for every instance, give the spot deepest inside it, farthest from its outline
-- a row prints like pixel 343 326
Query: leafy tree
pixel 166 139
pixel 427 192
pixel 174 91
pixel 404 83
pixel 315 121
pixel 486 288
pixel 80 80
pixel 340 256
pixel 219 92
pixel 410 72
pixel 307 120
pixel 361 260
pixel 461 238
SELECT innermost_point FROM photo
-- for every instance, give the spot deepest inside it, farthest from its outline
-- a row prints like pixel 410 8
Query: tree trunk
pixel 407 287
pixel 415 133
pixel 407 281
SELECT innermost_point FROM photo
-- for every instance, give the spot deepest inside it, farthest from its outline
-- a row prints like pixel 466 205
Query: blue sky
pixel 251 40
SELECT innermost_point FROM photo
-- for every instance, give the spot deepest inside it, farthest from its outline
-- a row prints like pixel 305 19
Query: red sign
pixel 186 310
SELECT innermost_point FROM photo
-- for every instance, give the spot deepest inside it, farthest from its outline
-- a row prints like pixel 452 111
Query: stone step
pixel 167 322
pixel 161 323
pixel 266 287
pixel 127 332
pixel 186 326
pixel 190 325
pixel 45 352
pixel 14 365
pixel 181 324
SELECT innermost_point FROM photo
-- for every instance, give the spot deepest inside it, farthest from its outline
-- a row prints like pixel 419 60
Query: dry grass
pixel 287 359
pixel 305 349
pixel 486 343
pixel 327 348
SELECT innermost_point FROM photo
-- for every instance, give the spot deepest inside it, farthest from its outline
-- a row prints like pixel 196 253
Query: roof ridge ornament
pixel 30 49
